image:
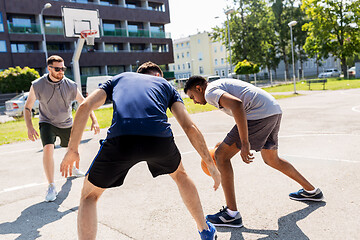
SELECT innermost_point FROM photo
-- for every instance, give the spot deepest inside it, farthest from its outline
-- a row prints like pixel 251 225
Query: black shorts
pixel 263 133
pixel 48 134
pixel 117 155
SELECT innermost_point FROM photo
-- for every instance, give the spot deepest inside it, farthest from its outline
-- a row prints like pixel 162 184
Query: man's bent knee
pixel 90 191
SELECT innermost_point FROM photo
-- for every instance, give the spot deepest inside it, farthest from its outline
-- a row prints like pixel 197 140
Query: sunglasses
pixel 58 69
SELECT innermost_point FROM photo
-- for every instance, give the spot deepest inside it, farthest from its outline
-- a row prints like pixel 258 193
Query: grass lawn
pixel 332 84
pixel 16 131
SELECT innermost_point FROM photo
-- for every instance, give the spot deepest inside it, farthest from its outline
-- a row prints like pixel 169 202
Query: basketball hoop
pixel 89 36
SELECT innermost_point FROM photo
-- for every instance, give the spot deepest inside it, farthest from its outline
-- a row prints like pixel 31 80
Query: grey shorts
pixel 263 133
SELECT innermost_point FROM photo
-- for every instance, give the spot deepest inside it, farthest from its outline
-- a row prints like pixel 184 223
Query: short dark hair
pixel 149 68
pixel 194 81
pixel 54 58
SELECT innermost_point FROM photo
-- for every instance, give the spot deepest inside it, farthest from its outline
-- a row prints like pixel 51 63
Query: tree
pixel 246 67
pixel 333 29
pixel 15 80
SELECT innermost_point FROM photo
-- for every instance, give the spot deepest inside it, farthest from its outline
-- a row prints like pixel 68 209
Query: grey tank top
pixel 55 100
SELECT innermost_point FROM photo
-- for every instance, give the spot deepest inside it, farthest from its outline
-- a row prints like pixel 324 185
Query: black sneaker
pixel 223 219
pixel 302 195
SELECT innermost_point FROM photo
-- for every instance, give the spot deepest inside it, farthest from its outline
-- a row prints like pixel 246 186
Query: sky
pixel 189 17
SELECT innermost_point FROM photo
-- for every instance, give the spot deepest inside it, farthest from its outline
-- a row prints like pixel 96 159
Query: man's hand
pixel 95 126
pixel 245 154
pixel 67 163
pixel 32 134
pixel 215 174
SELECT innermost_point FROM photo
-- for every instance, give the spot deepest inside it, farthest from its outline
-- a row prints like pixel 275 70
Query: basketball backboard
pixel 76 20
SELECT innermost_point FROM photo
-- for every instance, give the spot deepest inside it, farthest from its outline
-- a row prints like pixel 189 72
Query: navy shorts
pixel 117 155
pixel 263 133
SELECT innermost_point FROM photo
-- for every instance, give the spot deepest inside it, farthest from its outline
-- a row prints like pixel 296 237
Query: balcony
pixel 32 29
pixel 139 33
pixel 118 32
pixel 54 30
pixel 160 35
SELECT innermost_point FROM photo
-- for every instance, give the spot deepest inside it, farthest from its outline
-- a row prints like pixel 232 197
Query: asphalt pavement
pixel 319 135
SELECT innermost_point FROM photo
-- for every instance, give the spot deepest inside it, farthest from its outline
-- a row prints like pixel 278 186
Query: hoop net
pixel 89 36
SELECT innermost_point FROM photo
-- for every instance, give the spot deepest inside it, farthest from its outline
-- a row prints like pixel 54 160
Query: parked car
pixel 331 72
pixel 212 78
pixel 351 72
pixel 15 106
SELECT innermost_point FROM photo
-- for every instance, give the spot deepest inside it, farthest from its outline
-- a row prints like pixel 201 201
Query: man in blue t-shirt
pixel 139 132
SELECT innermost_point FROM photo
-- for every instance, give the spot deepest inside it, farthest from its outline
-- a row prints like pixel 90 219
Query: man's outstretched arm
pixel 92 102
pixel 196 138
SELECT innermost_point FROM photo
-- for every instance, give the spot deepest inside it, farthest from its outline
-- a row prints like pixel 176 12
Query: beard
pixel 57 76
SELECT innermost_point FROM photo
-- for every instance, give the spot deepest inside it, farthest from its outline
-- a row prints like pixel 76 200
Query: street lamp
pixel 291 24
pixel 42 27
pixel 227 12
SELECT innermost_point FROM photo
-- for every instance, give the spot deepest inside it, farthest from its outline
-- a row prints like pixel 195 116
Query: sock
pixel 231 212
pixel 312 191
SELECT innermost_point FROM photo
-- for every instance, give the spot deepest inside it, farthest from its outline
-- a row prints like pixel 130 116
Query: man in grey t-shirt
pixel 55 93
pixel 257 115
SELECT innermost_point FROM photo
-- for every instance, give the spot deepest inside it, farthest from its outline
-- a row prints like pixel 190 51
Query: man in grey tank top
pixel 55 93
pixel 257 115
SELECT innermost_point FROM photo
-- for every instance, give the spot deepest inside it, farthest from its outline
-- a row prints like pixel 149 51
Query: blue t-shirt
pixel 140 102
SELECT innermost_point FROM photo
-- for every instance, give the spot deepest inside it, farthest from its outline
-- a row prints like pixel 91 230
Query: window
pixel 90 71
pixel 222 60
pixel 182 55
pixel 187 54
pixel 108 2
pixel 2 46
pixel 221 48
pixel 200 56
pixel 189 66
pixel 53 25
pixel 199 41
pixel 137 47
pixel 215 50
pixel 217 72
pixel 160 48
pixel 178 67
pixel 182 44
pixel 222 73
pixel 183 66
pixel 113 47
pixel 201 70
pixel 187 44
pixel 156 7
pixel 58 47
pixel 1 23
pixel 177 56
pixel 115 70
pixel 17 47
pixel 216 62
pixel 132 4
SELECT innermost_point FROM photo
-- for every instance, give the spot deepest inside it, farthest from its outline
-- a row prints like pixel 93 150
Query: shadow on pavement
pixel 36 216
pixel 288 229
pixel 58 146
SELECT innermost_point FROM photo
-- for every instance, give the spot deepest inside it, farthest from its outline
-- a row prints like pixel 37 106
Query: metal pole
pixel 75 62
pixel 293 62
pixel 42 28
pixel 228 25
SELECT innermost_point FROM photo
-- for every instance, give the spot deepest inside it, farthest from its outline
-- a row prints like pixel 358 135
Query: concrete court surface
pixel 320 136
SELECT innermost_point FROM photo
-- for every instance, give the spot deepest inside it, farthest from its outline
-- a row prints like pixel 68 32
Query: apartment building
pixel 132 32
pixel 199 55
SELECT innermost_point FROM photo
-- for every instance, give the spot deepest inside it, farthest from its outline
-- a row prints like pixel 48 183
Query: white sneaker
pixel 77 173
pixel 51 193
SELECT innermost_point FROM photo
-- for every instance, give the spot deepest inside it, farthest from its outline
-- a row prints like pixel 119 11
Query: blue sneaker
pixel 302 195
pixel 209 234
pixel 223 219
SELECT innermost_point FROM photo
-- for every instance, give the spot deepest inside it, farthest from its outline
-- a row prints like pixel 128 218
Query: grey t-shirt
pixel 258 103
pixel 55 100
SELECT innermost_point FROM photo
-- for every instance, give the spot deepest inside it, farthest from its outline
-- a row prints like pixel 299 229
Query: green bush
pixel 246 67
pixel 15 80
